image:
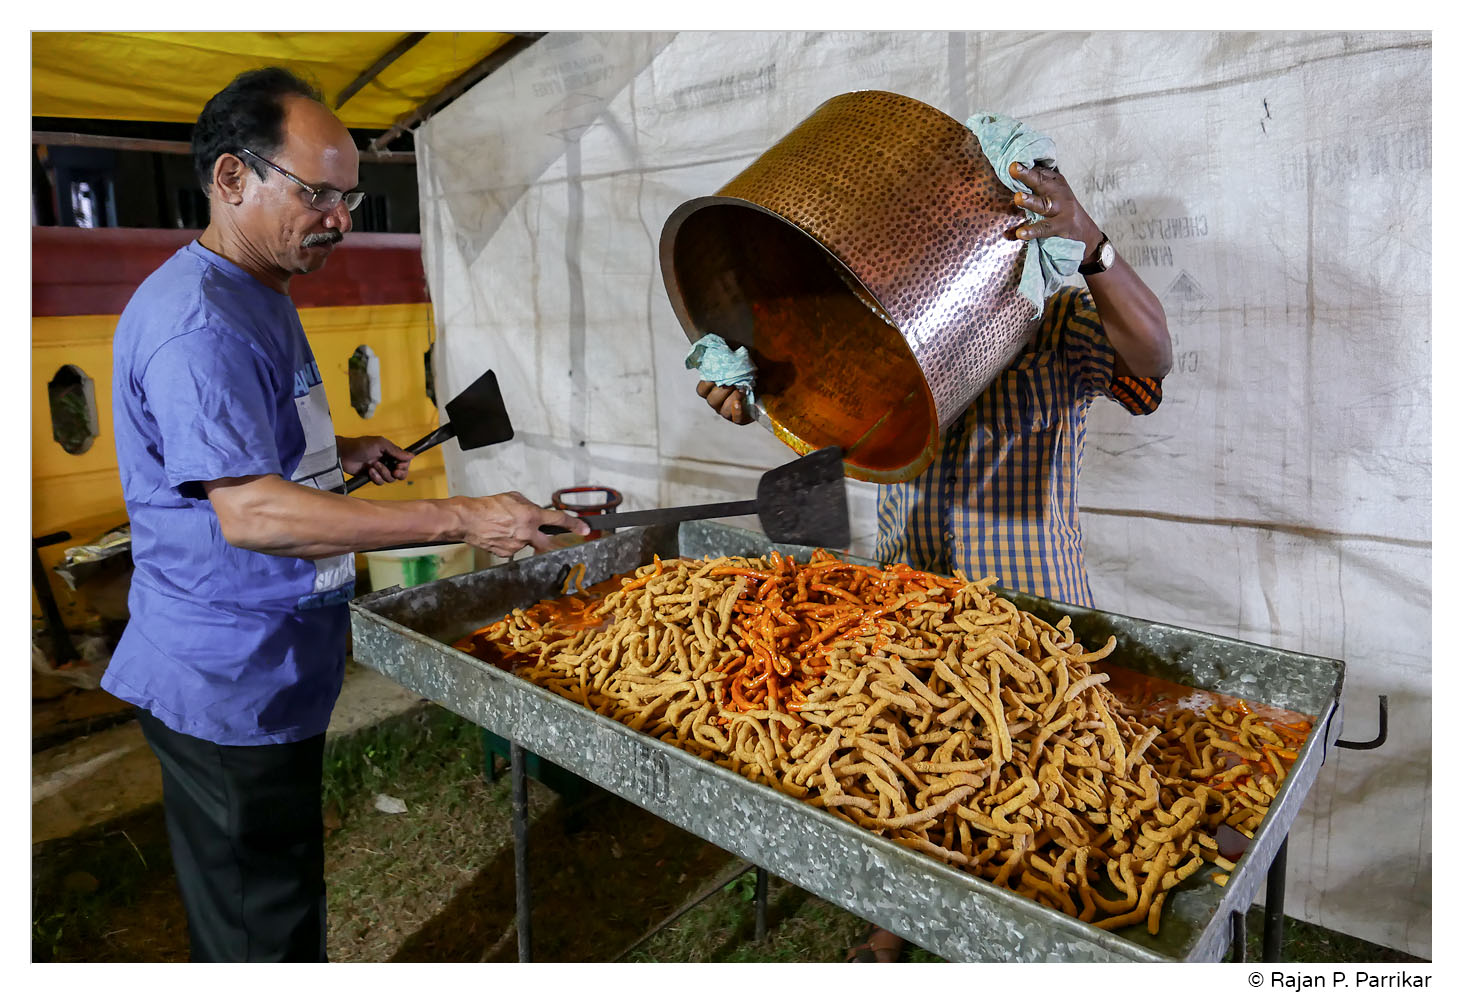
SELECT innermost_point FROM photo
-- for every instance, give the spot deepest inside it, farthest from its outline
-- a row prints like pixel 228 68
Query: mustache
pixel 322 238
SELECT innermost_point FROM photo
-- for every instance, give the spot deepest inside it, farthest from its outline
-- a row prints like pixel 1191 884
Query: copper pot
pixel 864 261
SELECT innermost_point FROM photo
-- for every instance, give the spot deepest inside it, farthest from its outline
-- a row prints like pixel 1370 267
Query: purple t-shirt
pixel 213 377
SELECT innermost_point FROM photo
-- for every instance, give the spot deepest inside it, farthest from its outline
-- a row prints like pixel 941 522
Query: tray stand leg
pixel 760 903
pixel 522 899
pixel 1237 937
pixel 1275 906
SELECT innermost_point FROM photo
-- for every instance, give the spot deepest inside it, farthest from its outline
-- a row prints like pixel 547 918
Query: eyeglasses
pixel 323 199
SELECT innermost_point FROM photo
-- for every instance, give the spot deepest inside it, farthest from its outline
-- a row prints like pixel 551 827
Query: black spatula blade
pixel 476 418
pixel 477 415
pixel 805 502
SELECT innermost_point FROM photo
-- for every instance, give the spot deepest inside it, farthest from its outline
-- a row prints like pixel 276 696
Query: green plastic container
pixel 570 787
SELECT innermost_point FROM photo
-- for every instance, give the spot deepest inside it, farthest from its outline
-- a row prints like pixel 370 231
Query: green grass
pixel 1304 943
pixel 82 886
pixel 389 874
pixel 392 755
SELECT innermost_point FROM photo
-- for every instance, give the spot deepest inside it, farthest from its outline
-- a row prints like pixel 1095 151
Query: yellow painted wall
pixel 82 493
pixel 400 335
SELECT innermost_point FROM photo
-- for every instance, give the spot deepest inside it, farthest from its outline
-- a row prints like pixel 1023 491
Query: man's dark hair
pixel 248 113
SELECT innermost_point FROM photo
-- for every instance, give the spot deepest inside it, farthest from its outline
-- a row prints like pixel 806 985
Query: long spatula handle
pixel 428 441
pixel 661 516
pixel 626 519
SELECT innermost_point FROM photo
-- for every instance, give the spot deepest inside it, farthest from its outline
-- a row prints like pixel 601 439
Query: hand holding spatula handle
pixel 476 418
pixel 800 503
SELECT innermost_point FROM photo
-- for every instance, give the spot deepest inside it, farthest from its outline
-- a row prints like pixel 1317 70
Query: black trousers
pixel 244 826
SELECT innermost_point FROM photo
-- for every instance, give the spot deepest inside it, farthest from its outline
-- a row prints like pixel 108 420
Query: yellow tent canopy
pixel 168 76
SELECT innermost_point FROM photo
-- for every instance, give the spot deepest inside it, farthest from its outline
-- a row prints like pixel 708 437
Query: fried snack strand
pixel 924 708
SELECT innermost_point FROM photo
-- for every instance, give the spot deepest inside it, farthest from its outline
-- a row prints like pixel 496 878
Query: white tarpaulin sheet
pixel 1273 189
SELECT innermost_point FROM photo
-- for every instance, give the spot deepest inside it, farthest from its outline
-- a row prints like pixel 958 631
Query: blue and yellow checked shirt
pixel 1001 496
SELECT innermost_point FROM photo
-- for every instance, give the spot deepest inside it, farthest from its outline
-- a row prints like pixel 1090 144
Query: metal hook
pixel 1382 735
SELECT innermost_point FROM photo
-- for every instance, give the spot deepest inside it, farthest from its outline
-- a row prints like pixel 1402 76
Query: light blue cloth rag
pixel 1050 261
pixel 724 366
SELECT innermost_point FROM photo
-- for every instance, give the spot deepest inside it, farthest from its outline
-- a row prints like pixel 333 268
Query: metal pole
pixel 717 885
pixel 760 903
pixel 1237 937
pixel 397 51
pixel 522 899
pixel 1275 906
pixel 488 64
pixel 121 144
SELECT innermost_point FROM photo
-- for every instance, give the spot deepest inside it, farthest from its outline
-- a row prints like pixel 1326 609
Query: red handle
pixel 613 498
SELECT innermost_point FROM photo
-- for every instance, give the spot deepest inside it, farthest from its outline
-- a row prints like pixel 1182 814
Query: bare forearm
pixel 275 516
pixel 1133 319
pixel 1132 316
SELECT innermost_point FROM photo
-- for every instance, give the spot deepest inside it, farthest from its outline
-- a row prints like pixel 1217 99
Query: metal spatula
pixel 476 417
pixel 802 503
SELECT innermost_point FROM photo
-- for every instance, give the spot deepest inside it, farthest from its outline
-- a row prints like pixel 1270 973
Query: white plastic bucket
pixel 410 567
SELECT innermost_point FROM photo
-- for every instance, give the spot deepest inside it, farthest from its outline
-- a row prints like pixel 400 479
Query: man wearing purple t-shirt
pixel 235 650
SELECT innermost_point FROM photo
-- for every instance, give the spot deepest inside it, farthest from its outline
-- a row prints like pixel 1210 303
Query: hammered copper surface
pixel 864 261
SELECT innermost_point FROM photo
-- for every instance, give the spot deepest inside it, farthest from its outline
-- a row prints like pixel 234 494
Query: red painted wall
pixel 96 270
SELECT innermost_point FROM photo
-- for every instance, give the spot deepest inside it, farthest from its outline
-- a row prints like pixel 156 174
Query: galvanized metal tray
pixel 405 635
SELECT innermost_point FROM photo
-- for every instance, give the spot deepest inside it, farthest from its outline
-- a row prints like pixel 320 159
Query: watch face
pixel 1107 254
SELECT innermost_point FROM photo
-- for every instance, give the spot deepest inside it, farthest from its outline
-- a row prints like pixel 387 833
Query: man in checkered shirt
pixel 1001 496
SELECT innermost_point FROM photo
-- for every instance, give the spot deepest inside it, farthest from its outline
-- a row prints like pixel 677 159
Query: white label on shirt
pixel 320 468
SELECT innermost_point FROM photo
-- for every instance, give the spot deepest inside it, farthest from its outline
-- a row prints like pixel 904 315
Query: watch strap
pixel 1098 265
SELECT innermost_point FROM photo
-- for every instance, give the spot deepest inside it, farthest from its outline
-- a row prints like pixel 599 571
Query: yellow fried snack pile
pixel 923 708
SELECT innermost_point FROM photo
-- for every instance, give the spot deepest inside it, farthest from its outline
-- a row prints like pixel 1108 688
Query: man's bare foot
pixel 879 947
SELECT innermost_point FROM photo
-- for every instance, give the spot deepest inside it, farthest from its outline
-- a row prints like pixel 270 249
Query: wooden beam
pixel 397 51
pixel 479 70
pixel 175 148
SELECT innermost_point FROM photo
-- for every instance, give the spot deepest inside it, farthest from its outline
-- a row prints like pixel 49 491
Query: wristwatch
pixel 1106 256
